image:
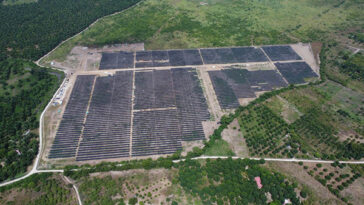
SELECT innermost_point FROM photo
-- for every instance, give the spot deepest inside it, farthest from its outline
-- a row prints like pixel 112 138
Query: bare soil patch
pixel 211 99
pixel 83 58
pixel 235 138
pixel 306 53
pixel 316 49
pixel 350 135
pixel 355 192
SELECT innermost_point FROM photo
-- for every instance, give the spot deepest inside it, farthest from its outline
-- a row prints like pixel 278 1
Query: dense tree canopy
pixel 31 30
pixel 21 101
pixel 354 66
pixel 219 181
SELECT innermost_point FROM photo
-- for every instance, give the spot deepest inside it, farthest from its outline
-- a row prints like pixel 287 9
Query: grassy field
pixel 220 148
pixel 164 24
pixel 283 108
pixel 17 2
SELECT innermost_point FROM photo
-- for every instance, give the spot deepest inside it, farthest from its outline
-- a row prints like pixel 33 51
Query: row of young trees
pixel 342 178
pixel 323 134
pixel 19 110
pixel 31 30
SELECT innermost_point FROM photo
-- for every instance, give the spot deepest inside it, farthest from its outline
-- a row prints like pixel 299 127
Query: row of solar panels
pixel 106 131
pixel 190 57
pixel 232 84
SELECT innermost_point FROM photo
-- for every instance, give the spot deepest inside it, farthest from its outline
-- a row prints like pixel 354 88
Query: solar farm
pixel 147 103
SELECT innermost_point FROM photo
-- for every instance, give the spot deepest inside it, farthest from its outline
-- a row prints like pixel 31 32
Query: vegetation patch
pixel 148 187
pixel 165 24
pixel 234 181
pixel 315 134
pixel 17 2
pixel 220 148
pixel 37 189
pixel 353 66
pixel 336 177
pixel 25 89
pixel 284 109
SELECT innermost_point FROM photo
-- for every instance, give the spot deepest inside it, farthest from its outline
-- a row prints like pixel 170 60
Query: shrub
pixel 133 201
pixel 303 194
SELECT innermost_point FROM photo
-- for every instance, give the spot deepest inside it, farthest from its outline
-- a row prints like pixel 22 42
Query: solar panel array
pixel 178 94
pixel 107 128
pixel 296 72
pixel 169 106
pixel 224 92
pixel 231 84
pixel 69 130
pixel 232 55
pixel 156 132
pixel 117 60
pixel 154 89
pixel 189 57
pixel 191 104
pixel 167 58
pixel 281 53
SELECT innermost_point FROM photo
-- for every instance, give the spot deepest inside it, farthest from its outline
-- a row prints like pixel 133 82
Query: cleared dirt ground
pixel 88 59
pixel 306 53
pixel 355 192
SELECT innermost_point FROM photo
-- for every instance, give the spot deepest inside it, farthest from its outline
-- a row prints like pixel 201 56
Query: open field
pixel 170 24
pixel 17 2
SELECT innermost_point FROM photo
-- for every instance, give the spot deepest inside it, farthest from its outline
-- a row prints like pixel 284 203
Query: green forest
pixel 25 89
pixel 31 30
